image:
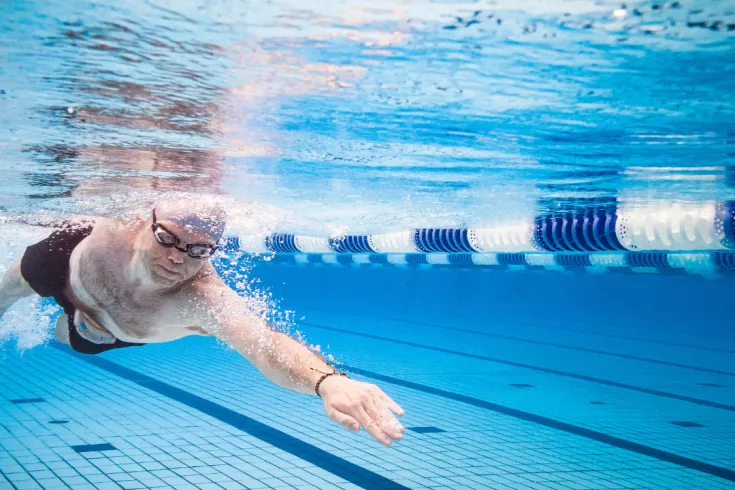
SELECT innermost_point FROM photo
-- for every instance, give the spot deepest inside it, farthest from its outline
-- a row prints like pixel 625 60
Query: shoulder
pixel 208 289
pixel 205 283
pixel 110 233
pixel 108 226
pixel 207 301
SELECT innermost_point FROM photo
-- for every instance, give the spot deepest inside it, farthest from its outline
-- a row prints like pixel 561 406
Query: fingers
pixel 378 410
pixel 395 408
pixel 369 424
pixel 389 401
pixel 344 420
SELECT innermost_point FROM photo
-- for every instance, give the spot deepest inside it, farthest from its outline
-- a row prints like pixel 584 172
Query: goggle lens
pixel 200 251
pixel 164 237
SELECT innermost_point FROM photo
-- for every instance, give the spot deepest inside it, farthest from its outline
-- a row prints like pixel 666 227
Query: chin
pixel 159 276
pixel 161 280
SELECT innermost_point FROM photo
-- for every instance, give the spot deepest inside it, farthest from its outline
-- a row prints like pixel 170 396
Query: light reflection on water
pixel 364 115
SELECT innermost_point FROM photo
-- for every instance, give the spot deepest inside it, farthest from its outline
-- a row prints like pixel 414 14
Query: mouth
pixel 167 270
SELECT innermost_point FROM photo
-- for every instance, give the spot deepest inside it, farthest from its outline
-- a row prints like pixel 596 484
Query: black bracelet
pixel 325 376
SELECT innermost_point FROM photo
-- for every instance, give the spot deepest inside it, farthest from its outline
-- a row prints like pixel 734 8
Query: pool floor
pixel 498 406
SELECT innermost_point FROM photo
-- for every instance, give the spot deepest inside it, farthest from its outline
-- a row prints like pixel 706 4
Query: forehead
pixel 186 234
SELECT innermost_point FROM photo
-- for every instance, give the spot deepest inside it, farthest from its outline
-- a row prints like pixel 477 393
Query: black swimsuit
pixel 45 267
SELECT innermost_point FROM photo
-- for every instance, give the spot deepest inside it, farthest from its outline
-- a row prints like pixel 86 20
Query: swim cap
pixel 206 217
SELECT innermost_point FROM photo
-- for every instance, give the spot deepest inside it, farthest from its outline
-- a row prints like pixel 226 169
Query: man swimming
pixel 125 283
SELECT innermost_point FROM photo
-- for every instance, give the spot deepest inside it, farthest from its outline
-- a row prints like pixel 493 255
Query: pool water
pixel 509 380
pixel 517 219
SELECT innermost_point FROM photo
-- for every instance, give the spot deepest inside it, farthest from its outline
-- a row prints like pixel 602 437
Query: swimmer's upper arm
pixel 280 358
pixel 13 287
pixel 223 313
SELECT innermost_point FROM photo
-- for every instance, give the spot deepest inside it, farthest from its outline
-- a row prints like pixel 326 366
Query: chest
pixel 112 303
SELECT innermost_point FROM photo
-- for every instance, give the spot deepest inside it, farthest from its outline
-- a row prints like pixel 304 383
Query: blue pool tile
pixel 52 483
pixel 207 470
pixel 237 486
pixel 208 486
pixel 176 481
pixel 350 486
pixel 121 477
pixel 26 460
pixel 197 479
pixel 163 473
pixel 424 473
pixel 87 471
pixel 219 477
pixel 292 480
pixel 107 486
pixel 152 482
pixel 131 485
pixel 39 474
pixel 98 479
pixel 27 485
pixel 20 401
pixel 121 459
pixel 18 477
pixel 522 385
pixel 108 468
pixel 141 459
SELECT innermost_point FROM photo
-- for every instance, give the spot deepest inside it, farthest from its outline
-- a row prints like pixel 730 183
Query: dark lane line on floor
pixel 594 435
pixel 351 472
pixel 571 347
pixel 556 372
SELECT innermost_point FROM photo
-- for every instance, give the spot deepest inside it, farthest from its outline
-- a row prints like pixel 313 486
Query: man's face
pixel 169 265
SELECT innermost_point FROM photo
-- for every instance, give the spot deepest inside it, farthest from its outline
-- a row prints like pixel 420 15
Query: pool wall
pixel 642 305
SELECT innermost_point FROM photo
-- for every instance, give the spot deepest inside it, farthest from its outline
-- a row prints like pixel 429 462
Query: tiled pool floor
pixel 510 407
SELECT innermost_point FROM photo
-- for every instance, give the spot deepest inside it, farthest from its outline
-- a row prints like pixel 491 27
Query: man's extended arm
pixel 13 287
pixel 291 365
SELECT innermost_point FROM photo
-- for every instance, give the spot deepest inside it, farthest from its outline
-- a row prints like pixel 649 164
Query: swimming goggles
pixel 169 240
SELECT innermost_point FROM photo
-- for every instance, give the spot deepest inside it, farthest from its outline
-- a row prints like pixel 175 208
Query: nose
pixel 176 256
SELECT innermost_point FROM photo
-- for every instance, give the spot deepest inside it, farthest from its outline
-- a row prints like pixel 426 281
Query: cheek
pixel 153 252
pixel 156 254
pixel 194 266
pixel 151 249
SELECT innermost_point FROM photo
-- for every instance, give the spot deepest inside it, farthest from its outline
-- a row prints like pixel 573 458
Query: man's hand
pixel 354 404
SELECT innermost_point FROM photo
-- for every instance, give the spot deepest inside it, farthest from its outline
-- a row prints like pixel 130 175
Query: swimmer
pixel 126 283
